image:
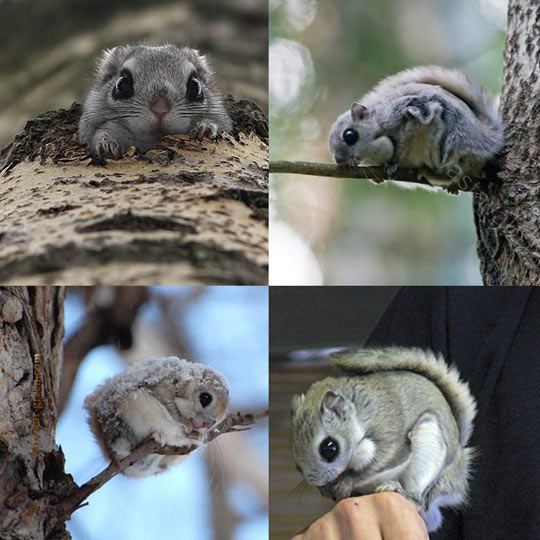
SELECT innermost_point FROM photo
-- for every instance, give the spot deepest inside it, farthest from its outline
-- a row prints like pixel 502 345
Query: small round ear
pixel 334 404
pixel 424 112
pixel 111 61
pixel 297 400
pixel 358 111
pixel 203 61
pixel 199 61
pixel 190 387
pixel 208 375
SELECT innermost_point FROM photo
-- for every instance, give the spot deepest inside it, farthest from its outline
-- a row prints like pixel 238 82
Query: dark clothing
pixel 493 336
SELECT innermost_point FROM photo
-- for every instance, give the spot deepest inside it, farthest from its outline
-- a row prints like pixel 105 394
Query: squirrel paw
pixel 391 485
pixel 107 147
pixel 453 189
pixel 395 486
pixel 160 437
pixel 390 170
pixel 203 129
pixel 341 488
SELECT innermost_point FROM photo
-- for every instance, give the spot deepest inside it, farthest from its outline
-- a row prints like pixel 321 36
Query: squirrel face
pixel 328 437
pixel 202 403
pixel 142 93
pixel 174 401
pixel 354 138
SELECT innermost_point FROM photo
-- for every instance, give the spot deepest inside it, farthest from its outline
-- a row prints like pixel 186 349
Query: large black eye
pixel 350 136
pixel 329 449
pixel 123 88
pixel 194 89
pixel 205 398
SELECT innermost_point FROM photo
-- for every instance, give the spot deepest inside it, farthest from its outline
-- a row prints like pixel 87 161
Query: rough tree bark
pixel 36 494
pixel 185 212
pixel 508 219
pixel 30 465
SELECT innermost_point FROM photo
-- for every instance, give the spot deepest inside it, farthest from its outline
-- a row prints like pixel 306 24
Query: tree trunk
pixel 31 467
pixel 186 212
pixel 508 219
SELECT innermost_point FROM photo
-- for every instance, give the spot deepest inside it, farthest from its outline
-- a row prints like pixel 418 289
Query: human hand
pixel 387 515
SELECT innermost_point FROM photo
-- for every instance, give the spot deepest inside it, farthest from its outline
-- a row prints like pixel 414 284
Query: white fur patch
pixel 428 456
pixel 144 414
pixel 363 455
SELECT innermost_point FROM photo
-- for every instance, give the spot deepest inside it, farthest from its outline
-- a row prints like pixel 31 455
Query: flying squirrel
pixel 437 120
pixel 396 419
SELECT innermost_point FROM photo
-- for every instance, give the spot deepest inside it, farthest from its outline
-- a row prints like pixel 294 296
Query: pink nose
pixel 160 106
pixel 199 425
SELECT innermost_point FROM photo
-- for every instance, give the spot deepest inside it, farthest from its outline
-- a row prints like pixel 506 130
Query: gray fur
pixel 422 362
pixel 158 398
pixel 431 118
pixel 403 425
pixel 109 127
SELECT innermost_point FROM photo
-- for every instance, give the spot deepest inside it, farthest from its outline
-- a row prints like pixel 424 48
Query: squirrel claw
pixel 390 170
pixel 159 437
pixel 205 129
pixel 395 486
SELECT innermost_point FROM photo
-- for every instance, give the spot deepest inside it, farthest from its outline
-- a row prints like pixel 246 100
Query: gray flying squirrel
pixel 435 119
pixel 174 401
pixel 141 93
pixel 398 419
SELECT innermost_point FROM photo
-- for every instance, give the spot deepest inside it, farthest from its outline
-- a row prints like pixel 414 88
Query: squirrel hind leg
pixel 146 466
pixel 435 180
pixel 390 170
pixel 428 455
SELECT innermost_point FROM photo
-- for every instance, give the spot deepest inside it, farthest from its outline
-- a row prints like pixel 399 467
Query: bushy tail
pixel 422 362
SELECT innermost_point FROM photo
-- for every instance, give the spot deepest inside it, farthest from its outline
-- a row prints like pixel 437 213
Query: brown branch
pixel 233 422
pixel 102 325
pixel 376 174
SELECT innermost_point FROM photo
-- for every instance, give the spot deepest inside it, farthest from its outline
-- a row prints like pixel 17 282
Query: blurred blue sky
pixel 228 327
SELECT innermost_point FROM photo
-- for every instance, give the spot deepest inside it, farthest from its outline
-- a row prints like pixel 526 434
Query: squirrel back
pixel 434 119
pixel 452 80
pixel 422 362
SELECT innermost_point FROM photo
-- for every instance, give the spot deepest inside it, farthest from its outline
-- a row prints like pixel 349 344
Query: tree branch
pixel 104 324
pixel 232 423
pixel 377 174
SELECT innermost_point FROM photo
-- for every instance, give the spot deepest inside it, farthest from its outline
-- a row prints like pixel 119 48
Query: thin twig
pixel 232 423
pixel 366 173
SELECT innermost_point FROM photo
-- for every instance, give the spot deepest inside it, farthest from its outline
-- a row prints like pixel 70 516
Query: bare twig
pixel 233 422
pixel 366 173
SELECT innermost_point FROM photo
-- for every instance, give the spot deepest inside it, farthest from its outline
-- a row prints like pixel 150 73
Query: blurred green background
pixel 324 54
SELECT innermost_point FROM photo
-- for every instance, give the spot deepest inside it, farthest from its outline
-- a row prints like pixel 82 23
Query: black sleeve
pixel 493 336
pixel 407 321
